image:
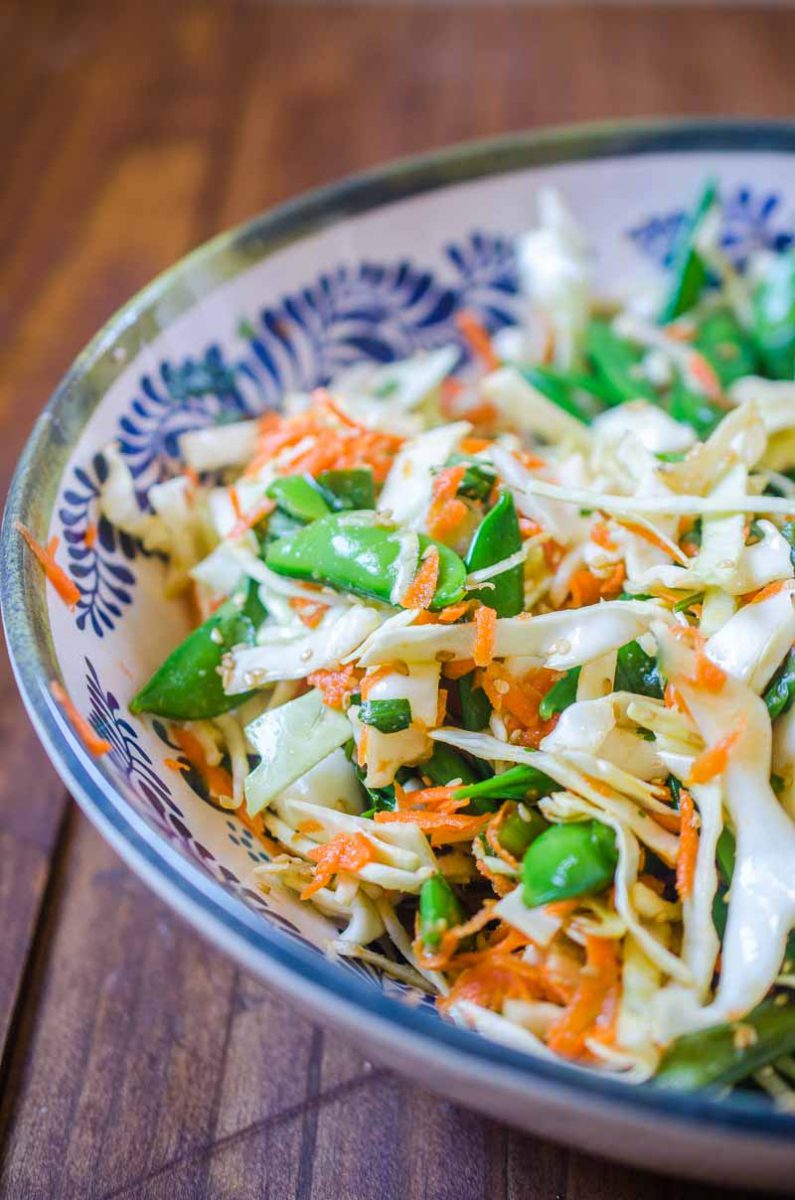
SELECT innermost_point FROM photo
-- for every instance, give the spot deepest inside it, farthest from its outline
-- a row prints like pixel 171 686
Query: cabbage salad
pixel 496 660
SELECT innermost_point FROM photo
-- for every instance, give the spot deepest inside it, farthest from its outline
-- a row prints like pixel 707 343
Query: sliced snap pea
pixel 773 306
pixel 637 671
pixel 690 408
pixel 440 910
pixel 445 764
pixel 517 783
pixel 187 686
pixel 562 389
pixel 726 346
pixel 497 538
pixel 788 533
pixel 617 364
pixel 475 704
pixel 387 716
pixel 298 497
pixel 688 271
pixel 347 551
pixel 517 833
pixel 560 695
pixel 780 694
pixel 353 489
pixel 718 1057
pixel 569 860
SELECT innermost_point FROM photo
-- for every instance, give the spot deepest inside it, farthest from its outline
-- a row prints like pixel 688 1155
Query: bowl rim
pixel 274 955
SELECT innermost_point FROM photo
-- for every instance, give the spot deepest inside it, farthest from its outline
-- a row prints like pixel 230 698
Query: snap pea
pixel 689 272
pixel 387 716
pixel 569 860
pixel 517 833
pixel 187 686
pixel 440 910
pixel 478 479
pixel 351 553
pixel 617 363
pixel 352 489
pixel 773 307
pixel 788 533
pixel 475 704
pixel 717 1057
pixel 560 695
pixel 562 389
pixel 445 764
pixel 637 671
pixel 517 783
pixel 780 694
pixel 694 410
pixel 496 538
pixel 726 346
pixel 298 497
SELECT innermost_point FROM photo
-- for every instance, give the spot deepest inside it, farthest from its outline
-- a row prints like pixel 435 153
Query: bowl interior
pixel 376 270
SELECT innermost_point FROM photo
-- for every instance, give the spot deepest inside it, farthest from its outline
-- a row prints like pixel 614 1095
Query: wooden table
pixel 137 1061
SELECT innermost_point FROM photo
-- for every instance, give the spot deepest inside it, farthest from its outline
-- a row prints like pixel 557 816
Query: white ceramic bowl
pixel 375 267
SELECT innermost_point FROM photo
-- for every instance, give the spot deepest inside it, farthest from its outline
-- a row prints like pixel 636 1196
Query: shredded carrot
pixel 309 825
pixel 612 586
pixel 246 521
pixel 649 535
pixel 361 749
pixel 709 677
pixel 477 338
pixel 90 535
pixel 688 846
pixel 66 588
pixel 335 685
pixel 454 612
pixel 485 635
pixel 680 331
pixel 88 735
pixel 446 512
pixel 715 759
pixel 310 612
pixel 422 589
pixel 493 980
pixel 529 528
pixel 429 799
pixel 765 593
pixel 600 975
pixel 600 534
pixel 584 588
pixel 456 670
pixel 473 445
pixel 704 375
pixel 382 672
pixel 345 852
pixel 217 779
pixel 441 827
pixel 493 835
pixel 174 764
pixel 451 938
pixel 674 699
pixel 449 392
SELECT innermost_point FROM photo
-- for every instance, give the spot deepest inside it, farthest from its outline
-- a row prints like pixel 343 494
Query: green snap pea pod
pixel 569 860
pixel 351 553
pixel 517 833
pixel 478 477
pixel 725 855
pixel 560 695
pixel 496 538
pixel 352 489
pixel 440 910
pixel 517 783
pixel 773 306
pixel 187 686
pixel 788 532
pixel 387 716
pixel 617 364
pixel 475 704
pixel 637 671
pixel 562 389
pixel 780 694
pixel 298 497
pixel 688 272
pixel 445 764
pixel 693 409
pixel 717 1057
pixel 726 346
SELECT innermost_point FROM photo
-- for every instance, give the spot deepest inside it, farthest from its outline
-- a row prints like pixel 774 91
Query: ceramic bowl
pixel 373 268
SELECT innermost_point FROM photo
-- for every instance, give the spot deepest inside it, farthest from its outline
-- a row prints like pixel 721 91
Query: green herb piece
pixel 387 716
pixel 780 693
pixel 517 783
pixel 497 538
pixel 560 695
pixel 637 671
pixel 475 704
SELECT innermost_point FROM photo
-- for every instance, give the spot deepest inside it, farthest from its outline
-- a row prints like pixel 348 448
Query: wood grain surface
pixel 136 1060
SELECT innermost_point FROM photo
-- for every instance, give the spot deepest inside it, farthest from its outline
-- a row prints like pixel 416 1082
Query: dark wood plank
pixel 138 1061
